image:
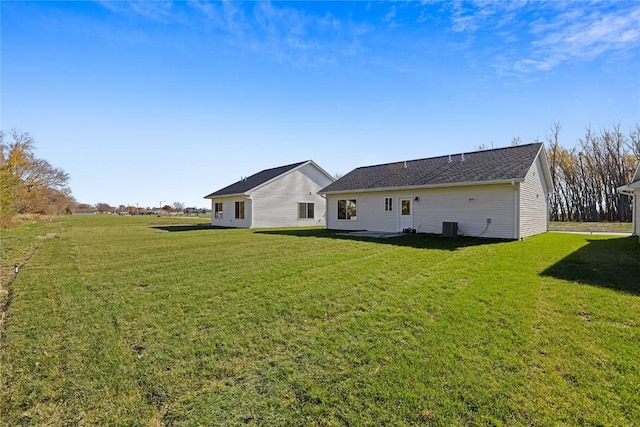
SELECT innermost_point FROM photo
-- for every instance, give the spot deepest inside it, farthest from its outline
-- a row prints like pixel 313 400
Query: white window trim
pixel 347 219
pixel 307 210
pixel 388 207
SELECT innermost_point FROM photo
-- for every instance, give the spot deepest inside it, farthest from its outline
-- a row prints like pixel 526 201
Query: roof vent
pixel 462 157
pixel 449 158
pixel 405 164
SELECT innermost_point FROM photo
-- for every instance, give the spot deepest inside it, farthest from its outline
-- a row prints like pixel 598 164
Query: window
pixel 218 210
pixel 239 210
pixel 305 210
pixel 388 204
pixel 406 207
pixel 347 209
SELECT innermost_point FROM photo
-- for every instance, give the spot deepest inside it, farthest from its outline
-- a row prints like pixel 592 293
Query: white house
pixel 286 196
pixel 501 193
pixel 633 189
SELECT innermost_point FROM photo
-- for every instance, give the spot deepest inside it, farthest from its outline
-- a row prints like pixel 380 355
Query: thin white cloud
pixel 581 36
pixel 558 32
pixel 161 11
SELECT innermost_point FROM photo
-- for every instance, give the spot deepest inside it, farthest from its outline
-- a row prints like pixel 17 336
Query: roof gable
pixel 251 182
pixel 501 164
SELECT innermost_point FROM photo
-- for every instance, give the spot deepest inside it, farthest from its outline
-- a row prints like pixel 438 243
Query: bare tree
pixel 634 141
pixel 587 176
pixel 104 208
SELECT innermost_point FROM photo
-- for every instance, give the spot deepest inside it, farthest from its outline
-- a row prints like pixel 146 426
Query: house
pixel 633 189
pixel 286 196
pixel 501 193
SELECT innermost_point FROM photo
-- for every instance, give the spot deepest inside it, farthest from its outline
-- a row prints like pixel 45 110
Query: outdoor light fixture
pixel 416 199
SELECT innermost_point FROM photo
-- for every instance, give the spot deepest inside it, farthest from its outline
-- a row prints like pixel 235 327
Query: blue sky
pixel 142 102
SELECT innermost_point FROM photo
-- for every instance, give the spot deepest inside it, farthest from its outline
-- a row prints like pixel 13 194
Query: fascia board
pixel 421 187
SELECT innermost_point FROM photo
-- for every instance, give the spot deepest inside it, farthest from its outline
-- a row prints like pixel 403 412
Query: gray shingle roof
pixel 253 181
pixel 478 166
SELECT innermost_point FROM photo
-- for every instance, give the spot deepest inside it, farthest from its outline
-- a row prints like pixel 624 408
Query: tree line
pixel 586 177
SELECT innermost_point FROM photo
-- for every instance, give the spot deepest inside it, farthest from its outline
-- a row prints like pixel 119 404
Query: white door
pixel 405 214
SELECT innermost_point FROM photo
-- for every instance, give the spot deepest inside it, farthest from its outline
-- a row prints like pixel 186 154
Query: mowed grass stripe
pixel 70 363
pixel 278 327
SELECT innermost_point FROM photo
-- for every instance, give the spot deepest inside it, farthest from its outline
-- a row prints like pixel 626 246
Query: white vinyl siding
pixel 534 216
pixel 229 212
pixel 276 203
pixel 469 206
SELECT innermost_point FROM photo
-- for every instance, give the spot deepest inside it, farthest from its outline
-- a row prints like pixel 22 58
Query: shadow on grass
pixel 420 241
pixel 608 263
pixel 189 227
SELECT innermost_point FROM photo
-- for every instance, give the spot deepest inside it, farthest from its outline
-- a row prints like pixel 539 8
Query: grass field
pixel 122 321
pixel 595 227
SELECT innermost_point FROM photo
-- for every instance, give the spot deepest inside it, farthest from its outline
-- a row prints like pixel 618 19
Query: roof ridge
pixel 466 153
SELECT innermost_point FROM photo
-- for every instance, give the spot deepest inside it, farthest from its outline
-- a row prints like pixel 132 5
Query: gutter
pixel 420 187
pixel 516 209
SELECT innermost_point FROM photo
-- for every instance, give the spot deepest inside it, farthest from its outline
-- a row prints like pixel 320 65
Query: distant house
pixel 633 190
pixel 285 196
pixel 501 193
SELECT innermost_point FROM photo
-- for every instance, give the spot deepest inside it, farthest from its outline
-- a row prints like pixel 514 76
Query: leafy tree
pixel 29 184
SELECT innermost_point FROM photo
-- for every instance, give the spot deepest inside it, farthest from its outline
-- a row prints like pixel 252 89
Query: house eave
pixel 629 190
pixel 218 196
pixel 545 167
pixel 424 187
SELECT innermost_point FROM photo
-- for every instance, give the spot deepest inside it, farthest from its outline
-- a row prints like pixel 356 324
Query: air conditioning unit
pixel 449 229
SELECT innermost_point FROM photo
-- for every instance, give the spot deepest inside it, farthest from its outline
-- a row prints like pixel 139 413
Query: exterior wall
pixel 636 212
pixel 276 204
pixel 534 208
pixel 469 206
pixel 229 212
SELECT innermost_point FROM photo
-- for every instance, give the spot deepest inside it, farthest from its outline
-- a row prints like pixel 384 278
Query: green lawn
pixel 595 227
pixel 119 321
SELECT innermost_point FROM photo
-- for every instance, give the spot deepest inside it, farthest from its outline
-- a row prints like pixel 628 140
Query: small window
pixel 239 210
pixel 218 210
pixel 347 209
pixel 388 204
pixel 406 207
pixel 305 210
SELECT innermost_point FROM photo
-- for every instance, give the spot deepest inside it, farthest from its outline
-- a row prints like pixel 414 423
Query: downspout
pixel 634 213
pixel 516 210
pixel 249 202
pixel 326 211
